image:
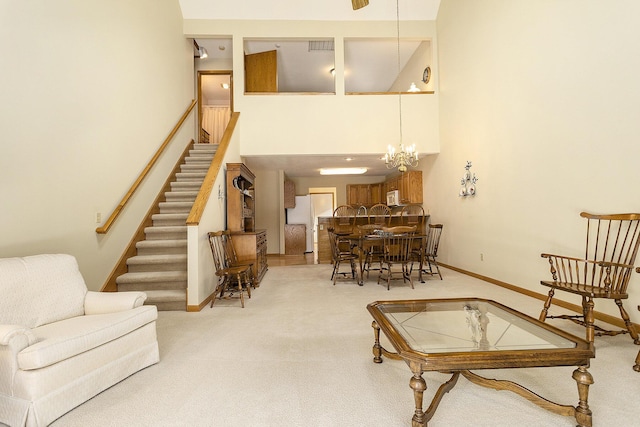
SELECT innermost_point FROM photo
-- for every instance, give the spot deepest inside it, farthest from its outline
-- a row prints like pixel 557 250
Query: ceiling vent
pixel 321 45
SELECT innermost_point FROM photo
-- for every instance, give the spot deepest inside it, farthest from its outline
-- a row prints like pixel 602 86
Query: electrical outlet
pixel 481 256
pixel 98 217
pixel 321 226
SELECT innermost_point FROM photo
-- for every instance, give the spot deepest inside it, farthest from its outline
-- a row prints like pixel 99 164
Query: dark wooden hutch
pixel 250 244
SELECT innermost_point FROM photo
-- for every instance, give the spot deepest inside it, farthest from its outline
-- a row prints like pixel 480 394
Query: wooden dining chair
pixel 380 215
pixel 430 251
pixel 340 257
pixel 397 244
pixel 612 243
pixel 232 258
pixel 228 275
pixel 413 214
pixel 400 229
pixel 344 219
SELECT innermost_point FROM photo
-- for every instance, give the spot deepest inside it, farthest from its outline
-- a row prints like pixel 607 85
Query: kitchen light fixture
pixel 406 156
pixel 342 171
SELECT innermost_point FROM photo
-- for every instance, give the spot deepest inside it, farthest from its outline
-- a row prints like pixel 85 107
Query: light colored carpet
pixel 300 354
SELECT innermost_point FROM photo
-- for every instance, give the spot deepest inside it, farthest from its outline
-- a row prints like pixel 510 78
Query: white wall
pixel 542 97
pixel 325 123
pixel 89 89
pixel 270 207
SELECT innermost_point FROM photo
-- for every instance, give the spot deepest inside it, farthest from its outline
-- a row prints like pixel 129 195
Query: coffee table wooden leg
pixel 377 349
pixel 584 380
pixel 418 385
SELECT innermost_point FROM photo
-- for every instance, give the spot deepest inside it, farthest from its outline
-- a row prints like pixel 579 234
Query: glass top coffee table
pixel 463 334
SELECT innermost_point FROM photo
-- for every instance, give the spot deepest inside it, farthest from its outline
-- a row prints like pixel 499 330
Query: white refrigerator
pixel 303 214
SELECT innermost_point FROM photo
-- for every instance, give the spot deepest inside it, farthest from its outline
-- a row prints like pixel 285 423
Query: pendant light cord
pixel 398 48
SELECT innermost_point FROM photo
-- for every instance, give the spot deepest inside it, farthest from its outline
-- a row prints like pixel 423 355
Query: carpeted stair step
pixel 190 176
pixel 198 160
pixel 195 167
pixel 157 263
pixel 163 219
pixel 205 146
pixel 186 186
pixel 181 196
pixel 146 281
pixel 162 247
pixel 167 300
pixel 202 152
pixel 169 232
pixel 175 207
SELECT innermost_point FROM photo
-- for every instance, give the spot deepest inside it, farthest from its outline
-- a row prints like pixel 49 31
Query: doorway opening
pixel 323 202
pixel 215 104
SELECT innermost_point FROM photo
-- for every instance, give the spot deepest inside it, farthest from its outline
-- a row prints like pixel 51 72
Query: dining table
pixel 361 243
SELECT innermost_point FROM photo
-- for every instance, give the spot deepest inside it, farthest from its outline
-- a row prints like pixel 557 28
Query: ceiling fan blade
pixel 358 4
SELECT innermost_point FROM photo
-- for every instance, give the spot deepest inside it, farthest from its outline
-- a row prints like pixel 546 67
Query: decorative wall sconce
pixel 468 182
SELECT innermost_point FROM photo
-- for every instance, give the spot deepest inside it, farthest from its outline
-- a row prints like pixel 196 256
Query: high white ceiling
pixel 314 10
pixel 334 10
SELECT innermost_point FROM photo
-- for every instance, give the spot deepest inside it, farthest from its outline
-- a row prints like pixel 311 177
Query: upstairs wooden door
pixel 261 72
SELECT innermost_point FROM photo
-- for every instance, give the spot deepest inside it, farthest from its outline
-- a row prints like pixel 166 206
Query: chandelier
pixel 407 156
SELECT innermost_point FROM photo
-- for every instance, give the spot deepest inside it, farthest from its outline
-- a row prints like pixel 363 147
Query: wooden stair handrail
pixel 107 225
pixel 209 180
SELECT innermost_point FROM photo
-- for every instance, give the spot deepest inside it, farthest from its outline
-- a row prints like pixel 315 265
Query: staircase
pixel 160 265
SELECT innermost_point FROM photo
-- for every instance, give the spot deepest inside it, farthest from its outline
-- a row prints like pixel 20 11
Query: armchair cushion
pixel 64 339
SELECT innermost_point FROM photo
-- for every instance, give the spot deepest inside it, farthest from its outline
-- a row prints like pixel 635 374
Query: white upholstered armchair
pixel 61 344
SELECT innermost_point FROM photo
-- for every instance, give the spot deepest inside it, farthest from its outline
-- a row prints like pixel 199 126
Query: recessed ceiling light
pixel 224 85
pixel 342 171
pixel 348 159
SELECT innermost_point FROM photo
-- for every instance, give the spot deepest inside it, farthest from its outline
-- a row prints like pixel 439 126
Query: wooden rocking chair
pixel 611 249
pixel 636 367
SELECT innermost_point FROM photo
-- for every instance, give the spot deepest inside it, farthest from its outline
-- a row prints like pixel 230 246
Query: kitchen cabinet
pixel 358 195
pixel 289 194
pixel 377 194
pixel 408 184
pixel 295 239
